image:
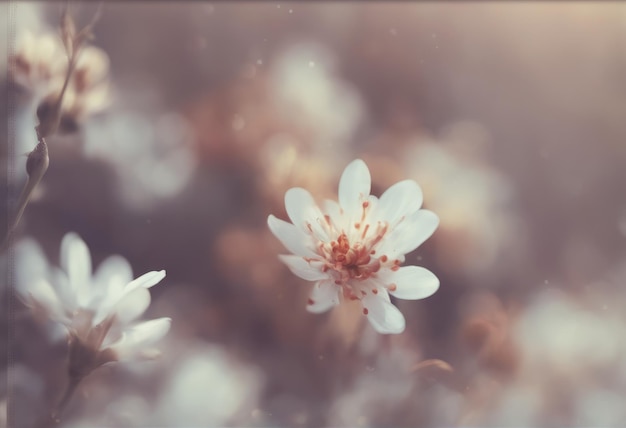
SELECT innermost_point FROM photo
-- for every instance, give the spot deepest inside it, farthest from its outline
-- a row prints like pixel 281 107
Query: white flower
pixel 235 393
pixel 97 310
pixel 89 91
pixel 40 64
pixel 354 248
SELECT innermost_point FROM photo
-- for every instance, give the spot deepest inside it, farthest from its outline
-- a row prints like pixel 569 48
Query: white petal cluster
pixel 354 249
pixel 39 64
pixel 97 309
pixel 89 91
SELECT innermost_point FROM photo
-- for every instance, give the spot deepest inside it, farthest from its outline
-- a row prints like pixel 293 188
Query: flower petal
pixel 114 269
pixel 409 234
pixel 32 284
pixel 108 305
pixel 291 237
pixel 304 213
pixel 384 317
pixel 110 279
pixel 333 209
pixel 95 62
pixel 411 282
pixel 301 207
pixel 76 261
pixel 141 335
pixel 354 186
pixel 401 199
pixel 66 294
pixel 338 218
pixel 30 263
pixel 131 306
pixel 41 295
pixel 305 270
pixel 325 295
pixel 146 280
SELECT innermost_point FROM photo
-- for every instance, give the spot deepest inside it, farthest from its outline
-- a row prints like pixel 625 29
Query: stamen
pixel 365 205
pixel 310 302
pixel 380 233
pixel 375 291
pixel 392 287
pixel 365 311
pixel 367 226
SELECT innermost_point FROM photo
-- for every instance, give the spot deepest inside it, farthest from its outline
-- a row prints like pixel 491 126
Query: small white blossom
pixel 353 249
pixel 89 91
pixel 39 63
pixel 98 310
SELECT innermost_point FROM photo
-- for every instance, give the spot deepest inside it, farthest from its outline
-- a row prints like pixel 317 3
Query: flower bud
pixel 48 113
pixel 37 161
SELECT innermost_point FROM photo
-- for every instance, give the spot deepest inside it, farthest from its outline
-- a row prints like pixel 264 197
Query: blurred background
pixel 512 118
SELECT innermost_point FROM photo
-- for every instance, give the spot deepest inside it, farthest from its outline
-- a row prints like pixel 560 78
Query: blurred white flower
pixel 197 385
pixel 151 154
pixel 310 94
pixel 354 248
pixel 97 310
pixel 39 64
pixel 474 201
pixel 208 387
pixel 89 88
pixel 554 325
pixel 383 388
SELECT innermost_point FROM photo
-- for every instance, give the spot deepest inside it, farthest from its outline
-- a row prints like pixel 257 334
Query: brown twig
pixel 53 418
pixel 36 166
pixel 38 159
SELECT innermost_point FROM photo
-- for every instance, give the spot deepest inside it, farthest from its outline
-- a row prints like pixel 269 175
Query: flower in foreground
pixel 354 249
pixel 97 310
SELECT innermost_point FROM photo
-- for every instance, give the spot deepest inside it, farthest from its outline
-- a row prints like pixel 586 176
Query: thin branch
pixel 69 392
pixel 53 419
pixel 36 166
pixel 38 160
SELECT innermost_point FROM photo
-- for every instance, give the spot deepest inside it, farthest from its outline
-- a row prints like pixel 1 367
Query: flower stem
pixel 53 419
pixel 71 387
pixel 38 159
pixel 36 167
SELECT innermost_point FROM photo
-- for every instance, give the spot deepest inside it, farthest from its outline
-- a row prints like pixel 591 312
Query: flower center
pixel 349 261
pixel 351 258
